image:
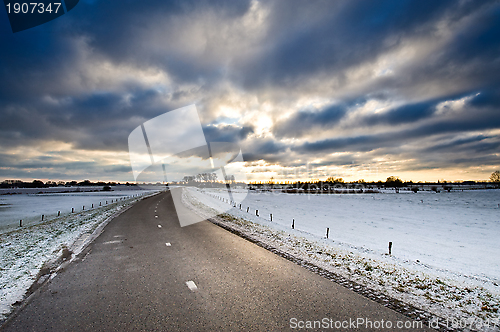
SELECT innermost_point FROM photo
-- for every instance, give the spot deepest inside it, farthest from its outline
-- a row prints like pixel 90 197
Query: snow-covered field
pixel 24 251
pixel 445 255
pixel 31 207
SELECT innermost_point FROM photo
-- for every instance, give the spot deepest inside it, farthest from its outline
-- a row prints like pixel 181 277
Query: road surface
pixel 146 273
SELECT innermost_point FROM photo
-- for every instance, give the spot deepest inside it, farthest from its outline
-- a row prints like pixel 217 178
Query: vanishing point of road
pixel 146 273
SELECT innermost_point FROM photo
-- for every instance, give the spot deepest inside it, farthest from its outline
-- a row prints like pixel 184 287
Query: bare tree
pixel 495 177
pixel 213 177
pixel 188 179
pixel 334 180
pixel 230 178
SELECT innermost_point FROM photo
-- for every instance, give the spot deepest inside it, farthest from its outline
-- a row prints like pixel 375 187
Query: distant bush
pixel 393 182
pixel 414 189
pixel 495 178
pixel 106 188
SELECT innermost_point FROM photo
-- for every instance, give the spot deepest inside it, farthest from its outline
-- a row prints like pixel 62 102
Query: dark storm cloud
pixel 347 160
pixel 483 121
pixel 469 143
pixel 413 112
pixel 54 163
pixel 306 120
pixel 265 149
pixel 356 143
pixel 37 62
pixel 463 123
pixel 42 61
pixel 55 85
pixel 101 120
pixel 404 114
pixel 480 40
pixel 433 162
pixel 226 133
pixel 489 97
pixel 82 172
pixel 469 58
pixel 347 33
pixel 108 107
pixel 121 38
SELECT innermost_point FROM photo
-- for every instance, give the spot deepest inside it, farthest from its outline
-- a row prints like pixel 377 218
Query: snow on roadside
pixel 24 251
pixel 458 300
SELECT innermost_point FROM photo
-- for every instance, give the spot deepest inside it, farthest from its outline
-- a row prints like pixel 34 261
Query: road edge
pixel 398 306
pixel 62 263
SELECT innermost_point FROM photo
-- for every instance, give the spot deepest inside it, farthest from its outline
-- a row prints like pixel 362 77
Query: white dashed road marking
pixel 111 242
pixel 191 285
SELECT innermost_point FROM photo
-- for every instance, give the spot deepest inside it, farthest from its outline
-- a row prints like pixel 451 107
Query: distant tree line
pixel 40 184
pixel 392 182
pixel 202 177
pixel 206 180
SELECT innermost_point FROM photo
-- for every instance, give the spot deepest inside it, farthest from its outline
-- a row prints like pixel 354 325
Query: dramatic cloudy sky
pixel 309 89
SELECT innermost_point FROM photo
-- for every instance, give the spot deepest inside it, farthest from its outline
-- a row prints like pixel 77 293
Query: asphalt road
pixel 146 273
